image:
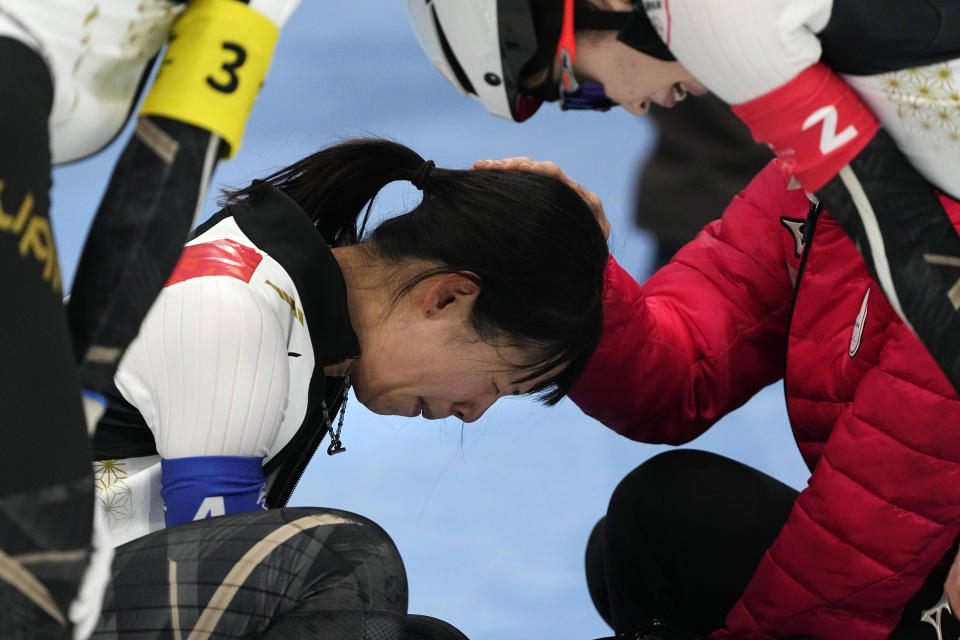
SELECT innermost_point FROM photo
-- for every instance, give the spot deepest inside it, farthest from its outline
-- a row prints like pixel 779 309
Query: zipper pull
pixel 812 216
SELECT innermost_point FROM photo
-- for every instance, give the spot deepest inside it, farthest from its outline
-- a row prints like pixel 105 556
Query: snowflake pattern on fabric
pixel 113 493
pixel 108 472
pixel 928 102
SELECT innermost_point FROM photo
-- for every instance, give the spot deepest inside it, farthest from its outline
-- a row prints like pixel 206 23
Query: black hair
pixel 531 243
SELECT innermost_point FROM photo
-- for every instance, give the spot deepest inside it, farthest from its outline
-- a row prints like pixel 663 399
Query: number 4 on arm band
pixel 215 63
pixel 209 486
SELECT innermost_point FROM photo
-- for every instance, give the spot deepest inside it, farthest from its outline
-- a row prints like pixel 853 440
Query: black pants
pixel 682 537
pixel 46 485
pixel 284 573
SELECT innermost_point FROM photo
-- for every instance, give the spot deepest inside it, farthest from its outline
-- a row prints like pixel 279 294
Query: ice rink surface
pixel 491 517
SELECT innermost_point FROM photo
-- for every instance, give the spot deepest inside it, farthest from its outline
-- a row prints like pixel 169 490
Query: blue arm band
pixel 207 486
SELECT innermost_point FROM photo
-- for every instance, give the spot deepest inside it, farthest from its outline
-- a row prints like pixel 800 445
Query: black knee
pixel 355 585
pixel 426 628
pixel 366 558
pixel 687 526
pixel 669 484
pixel 596 571
pixel 310 572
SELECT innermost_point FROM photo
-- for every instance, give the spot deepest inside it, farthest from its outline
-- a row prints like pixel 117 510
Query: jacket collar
pixel 277 225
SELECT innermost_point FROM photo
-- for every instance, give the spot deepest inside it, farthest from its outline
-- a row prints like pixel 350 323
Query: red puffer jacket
pixel 875 419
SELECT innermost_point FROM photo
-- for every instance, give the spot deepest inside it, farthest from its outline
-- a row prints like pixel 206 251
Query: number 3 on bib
pixel 217 58
pixel 240 56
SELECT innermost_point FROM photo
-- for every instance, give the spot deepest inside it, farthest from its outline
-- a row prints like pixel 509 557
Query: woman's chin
pixel 406 410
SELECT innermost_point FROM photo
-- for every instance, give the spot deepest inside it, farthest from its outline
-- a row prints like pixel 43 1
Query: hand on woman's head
pixel 548 168
pixel 528 239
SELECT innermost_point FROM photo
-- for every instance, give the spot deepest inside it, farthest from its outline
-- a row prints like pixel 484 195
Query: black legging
pixel 284 573
pixel 46 484
pixel 683 535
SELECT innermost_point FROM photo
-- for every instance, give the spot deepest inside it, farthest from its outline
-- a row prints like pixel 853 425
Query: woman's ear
pixel 450 290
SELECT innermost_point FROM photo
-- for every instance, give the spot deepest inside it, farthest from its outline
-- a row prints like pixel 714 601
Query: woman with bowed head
pixel 279 304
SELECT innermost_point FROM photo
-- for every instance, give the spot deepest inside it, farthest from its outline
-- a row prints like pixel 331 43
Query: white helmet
pixel 486 48
pixel 481 46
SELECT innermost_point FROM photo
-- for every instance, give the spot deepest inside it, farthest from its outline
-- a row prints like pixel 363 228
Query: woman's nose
pixel 471 411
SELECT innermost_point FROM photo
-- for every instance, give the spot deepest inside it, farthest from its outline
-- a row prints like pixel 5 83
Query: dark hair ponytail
pixel 336 184
pixel 533 244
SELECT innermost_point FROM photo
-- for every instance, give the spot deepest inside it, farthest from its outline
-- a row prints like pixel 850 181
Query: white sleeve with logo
pixel 741 49
pixel 208 370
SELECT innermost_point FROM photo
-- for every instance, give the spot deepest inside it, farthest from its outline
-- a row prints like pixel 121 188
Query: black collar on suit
pixel 278 225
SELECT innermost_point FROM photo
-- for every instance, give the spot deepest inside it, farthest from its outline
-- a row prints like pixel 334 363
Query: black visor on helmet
pixel 529 31
pixel 518 46
pixel 547 20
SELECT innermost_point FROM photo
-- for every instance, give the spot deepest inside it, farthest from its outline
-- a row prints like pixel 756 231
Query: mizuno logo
pixel 796 228
pixel 857 334
pixel 830 140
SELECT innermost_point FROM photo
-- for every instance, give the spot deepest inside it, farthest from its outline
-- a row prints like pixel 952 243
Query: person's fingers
pixel 508 164
pixel 541 166
pixel 548 168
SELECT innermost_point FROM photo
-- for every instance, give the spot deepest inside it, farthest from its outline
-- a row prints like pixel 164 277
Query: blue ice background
pixel 492 517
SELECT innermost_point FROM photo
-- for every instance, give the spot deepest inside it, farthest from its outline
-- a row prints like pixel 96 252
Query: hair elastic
pixel 420 177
